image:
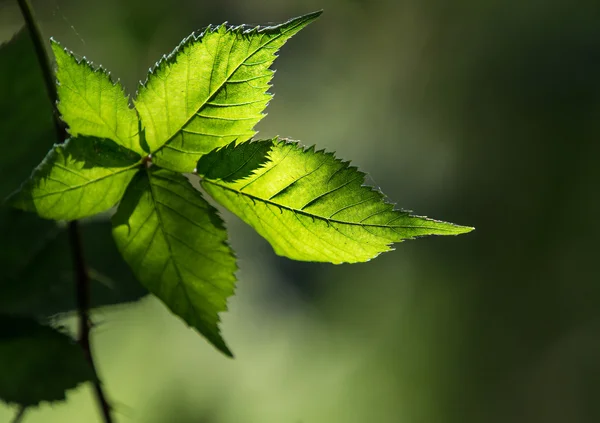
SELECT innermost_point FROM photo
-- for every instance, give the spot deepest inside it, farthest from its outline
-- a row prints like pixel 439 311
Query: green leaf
pixel 176 245
pixel 26 126
pixel 92 104
pixel 210 91
pixel 38 363
pixel 80 178
pixel 311 206
pixel 37 277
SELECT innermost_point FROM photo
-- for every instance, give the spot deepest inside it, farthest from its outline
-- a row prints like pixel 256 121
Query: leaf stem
pixel 46 67
pixel 19 416
pixel 83 304
pixel 82 285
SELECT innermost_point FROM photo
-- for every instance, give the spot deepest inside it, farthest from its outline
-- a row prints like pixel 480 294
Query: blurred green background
pixel 483 113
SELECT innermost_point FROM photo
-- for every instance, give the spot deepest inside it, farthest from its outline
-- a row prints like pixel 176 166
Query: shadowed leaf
pixel 234 162
pixel 37 276
pixel 38 363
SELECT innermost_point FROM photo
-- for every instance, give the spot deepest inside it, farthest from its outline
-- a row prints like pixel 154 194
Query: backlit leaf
pixel 176 245
pixel 92 104
pixel 311 206
pixel 80 178
pixel 210 91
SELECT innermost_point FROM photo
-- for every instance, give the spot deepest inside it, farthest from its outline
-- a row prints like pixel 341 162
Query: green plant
pixel 191 128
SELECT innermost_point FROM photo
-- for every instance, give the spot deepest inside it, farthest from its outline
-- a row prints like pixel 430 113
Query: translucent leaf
pixel 210 91
pixel 311 206
pixel 176 245
pixel 37 277
pixel 38 363
pixel 92 104
pixel 80 178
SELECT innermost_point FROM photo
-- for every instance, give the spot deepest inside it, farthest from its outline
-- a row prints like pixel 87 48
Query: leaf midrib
pixel 314 216
pixel 171 254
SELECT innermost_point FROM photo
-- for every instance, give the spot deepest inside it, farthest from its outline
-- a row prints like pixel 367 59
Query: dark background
pixel 483 113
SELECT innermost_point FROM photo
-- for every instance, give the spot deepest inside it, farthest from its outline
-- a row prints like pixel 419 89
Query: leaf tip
pixel 464 229
pixel 57 47
pixel 312 15
pixel 439 227
pixel 225 350
pixel 452 228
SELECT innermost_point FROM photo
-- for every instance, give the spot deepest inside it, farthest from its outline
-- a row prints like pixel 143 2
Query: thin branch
pixel 46 67
pixel 82 285
pixel 19 416
pixel 83 305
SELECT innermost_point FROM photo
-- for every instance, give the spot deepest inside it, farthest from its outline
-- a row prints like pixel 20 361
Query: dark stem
pixel 83 304
pixel 19 416
pixel 46 67
pixel 82 285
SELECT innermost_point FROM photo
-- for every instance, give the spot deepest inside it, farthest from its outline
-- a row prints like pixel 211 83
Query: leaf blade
pixel 92 104
pixel 311 206
pixel 176 245
pixel 79 178
pixel 185 116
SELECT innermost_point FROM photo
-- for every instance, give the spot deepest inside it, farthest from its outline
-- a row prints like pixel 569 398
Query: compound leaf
pixel 210 91
pixel 38 363
pixel 80 178
pixel 311 206
pixel 176 245
pixel 92 104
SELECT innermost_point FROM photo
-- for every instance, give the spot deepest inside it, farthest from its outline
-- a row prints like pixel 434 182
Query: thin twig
pixel 19 416
pixel 46 67
pixel 83 305
pixel 82 285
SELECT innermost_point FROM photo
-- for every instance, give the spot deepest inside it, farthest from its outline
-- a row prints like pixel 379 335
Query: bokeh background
pixel 483 113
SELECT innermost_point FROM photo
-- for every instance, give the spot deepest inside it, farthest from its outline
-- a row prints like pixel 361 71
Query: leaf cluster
pixel 188 133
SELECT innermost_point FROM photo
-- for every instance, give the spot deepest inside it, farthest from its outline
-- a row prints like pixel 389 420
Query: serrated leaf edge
pixel 347 164
pixel 169 58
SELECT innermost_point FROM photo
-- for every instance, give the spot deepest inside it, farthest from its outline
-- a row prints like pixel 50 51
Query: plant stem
pixel 83 304
pixel 46 67
pixel 82 285
pixel 19 416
